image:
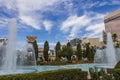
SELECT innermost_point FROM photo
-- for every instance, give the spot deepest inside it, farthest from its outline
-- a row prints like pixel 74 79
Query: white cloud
pixel 95 26
pixel 92 21
pixel 112 2
pixel 95 29
pixel 51 44
pixel 74 23
pixel 28 10
pixel 48 25
pixel 30 21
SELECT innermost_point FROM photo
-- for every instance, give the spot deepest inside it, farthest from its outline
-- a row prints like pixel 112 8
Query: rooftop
pixel 112 14
pixel 31 38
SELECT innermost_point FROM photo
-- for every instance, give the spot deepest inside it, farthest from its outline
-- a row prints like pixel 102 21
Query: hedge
pixel 64 74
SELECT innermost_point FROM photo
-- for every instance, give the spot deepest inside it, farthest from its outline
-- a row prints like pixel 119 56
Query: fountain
pixel 9 61
pixel 9 57
pixel 110 52
pixel 107 57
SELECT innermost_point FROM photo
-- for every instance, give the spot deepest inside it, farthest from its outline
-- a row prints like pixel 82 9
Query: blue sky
pixel 55 20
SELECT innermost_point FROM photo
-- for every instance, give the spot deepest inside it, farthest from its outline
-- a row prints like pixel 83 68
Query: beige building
pixel 92 41
pixel 112 22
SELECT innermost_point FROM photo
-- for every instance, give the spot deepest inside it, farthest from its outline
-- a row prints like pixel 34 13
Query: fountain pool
pixel 28 69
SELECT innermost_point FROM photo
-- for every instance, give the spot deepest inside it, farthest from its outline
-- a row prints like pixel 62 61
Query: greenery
pixel 35 48
pixel 114 36
pixel 116 74
pixel 117 65
pixel 52 63
pixel 69 51
pixel 79 51
pixel 91 54
pixel 66 51
pixel 100 75
pixel 117 71
pixel 66 74
pixel 88 50
pixel 104 37
pixel 57 63
pixel 57 48
pixel 45 52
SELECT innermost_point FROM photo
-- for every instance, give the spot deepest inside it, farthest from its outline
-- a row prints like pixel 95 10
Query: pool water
pixel 28 69
pixel 84 67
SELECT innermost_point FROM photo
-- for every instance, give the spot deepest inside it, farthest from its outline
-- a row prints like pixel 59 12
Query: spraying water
pixel 9 61
pixel 109 56
pixel 10 58
pixel 110 51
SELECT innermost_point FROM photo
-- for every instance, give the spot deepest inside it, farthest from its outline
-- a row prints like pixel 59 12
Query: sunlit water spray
pixel 11 58
pixel 9 61
pixel 107 57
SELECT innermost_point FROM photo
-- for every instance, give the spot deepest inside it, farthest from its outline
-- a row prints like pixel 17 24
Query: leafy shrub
pixel 117 65
pixel 117 74
pixel 96 75
pixel 66 74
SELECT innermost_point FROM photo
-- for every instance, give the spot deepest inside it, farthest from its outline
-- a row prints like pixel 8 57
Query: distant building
pixel 3 41
pixel 31 39
pixel 112 22
pixel 75 41
pixel 52 55
pixel 85 40
pixel 92 41
pixel 40 54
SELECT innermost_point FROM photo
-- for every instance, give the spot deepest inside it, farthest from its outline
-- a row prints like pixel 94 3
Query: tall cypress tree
pixel 57 48
pixel 79 51
pixel 88 50
pixel 45 52
pixel 69 51
pixel 92 53
pixel 35 48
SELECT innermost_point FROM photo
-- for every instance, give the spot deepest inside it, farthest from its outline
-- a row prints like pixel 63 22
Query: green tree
pixel 63 52
pixel 88 50
pixel 79 51
pixel 69 51
pixel 104 37
pixel 35 48
pixel 45 52
pixel 68 44
pixel 66 51
pixel 57 48
pixel 114 36
pixel 91 54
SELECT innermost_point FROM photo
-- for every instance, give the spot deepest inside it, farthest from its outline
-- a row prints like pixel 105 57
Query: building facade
pixel 40 54
pixel 75 41
pixel 31 39
pixel 112 22
pixel 92 41
pixel 51 55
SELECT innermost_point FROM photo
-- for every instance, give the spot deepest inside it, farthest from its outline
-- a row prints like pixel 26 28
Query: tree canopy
pixel 46 49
